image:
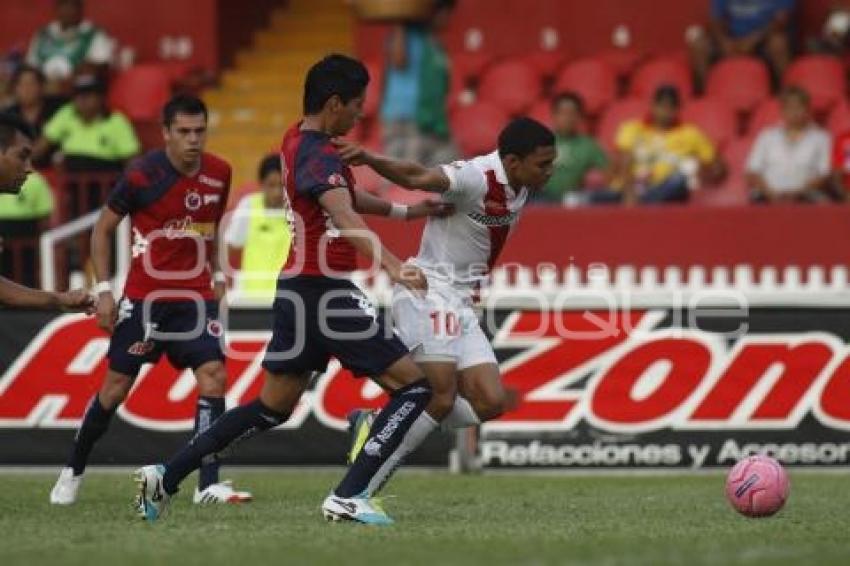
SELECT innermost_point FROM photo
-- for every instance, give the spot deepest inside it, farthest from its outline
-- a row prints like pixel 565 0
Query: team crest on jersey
pixel 337 180
pixel 214 328
pixel 193 201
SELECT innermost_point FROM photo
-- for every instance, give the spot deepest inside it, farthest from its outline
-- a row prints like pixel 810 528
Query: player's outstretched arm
pixel 338 204
pixel 365 203
pixel 407 174
pixel 19 296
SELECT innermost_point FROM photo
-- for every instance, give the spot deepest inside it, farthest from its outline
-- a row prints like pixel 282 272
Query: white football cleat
pixel 221 492
pixel 152 501
pixel 66 489
pixel 357 509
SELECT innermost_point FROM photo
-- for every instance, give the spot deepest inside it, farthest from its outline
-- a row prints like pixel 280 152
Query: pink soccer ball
pixel 757 486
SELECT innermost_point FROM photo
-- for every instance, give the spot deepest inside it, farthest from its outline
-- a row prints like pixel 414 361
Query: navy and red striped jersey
pixel 174 220
pixel 312 166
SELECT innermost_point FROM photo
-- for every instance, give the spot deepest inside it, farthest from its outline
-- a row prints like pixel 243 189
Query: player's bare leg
pixel 96 421
pixel 481 386
pixel 212 382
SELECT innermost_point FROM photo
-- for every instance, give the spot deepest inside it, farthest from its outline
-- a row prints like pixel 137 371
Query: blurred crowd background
pixel 703 103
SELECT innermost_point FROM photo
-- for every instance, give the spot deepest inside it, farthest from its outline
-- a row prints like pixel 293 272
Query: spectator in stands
pixel 260 234
pixel 660 159
pixel 89 135
pixel 70 44
pixel 413 113
pixel 22 218
pixel 790 162
pixel 30 102
pixel 744 27
pixel 578 153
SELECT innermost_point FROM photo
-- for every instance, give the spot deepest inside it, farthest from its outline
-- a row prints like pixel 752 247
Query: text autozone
pixel 640 380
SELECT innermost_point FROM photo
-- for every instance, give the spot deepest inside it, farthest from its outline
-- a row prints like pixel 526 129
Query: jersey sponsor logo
pixel 193 201
pixel 632 376
pixel 186 227
pixel 211 199
pixel 493 220
pixel 209 181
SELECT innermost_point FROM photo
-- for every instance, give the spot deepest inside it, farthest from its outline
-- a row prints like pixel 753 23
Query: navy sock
pixel 209 409
pixel 235 425
pixel 95 423
pixel 386 435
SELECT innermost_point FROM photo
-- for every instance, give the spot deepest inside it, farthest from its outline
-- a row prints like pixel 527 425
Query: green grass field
pixel 441 519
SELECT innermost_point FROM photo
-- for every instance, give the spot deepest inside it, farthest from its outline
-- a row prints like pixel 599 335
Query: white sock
pixel 462 415
pixel 421 429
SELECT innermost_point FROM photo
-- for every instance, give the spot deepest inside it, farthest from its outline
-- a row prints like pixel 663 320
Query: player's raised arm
pixel 365 203
pixel 338 204
pixel 407 174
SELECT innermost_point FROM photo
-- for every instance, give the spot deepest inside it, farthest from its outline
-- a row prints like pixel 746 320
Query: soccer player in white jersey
pixel 456 254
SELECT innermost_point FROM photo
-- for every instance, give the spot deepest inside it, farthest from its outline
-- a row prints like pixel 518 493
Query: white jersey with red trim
pixel 462 248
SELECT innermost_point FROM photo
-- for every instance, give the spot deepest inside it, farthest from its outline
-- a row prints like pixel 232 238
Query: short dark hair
pixel 667 93
pixel 795 91
pixel 183 104
pixel 269 164
pixel 10 126
pixel 524 135
pixel 568 96
pixel 335 75
pixel 23 70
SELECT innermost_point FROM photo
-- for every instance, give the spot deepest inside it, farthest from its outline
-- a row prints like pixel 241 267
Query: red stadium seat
pixel 713 117
pixel 468 66
pixel 140 92
pixel 542 111
pixel 657 72
pixel 769 113
pixel 734 189
pixel 822 76
pixel 615 115
pixel 512 85
pixel 477 127
pixel 838 122
pixel 546 63
pixel 593 80
pixel 622 61
pixel 741 82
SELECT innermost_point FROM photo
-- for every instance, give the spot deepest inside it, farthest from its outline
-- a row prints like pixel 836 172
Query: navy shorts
pixel 318 317
pixel 189 334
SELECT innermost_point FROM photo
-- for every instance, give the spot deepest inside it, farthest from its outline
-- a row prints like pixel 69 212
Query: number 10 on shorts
pixel 445 324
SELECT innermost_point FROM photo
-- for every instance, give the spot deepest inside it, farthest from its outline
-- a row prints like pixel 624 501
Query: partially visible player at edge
pixel 175 198
pixel 15 151
pixel 319 312
pixel 456 254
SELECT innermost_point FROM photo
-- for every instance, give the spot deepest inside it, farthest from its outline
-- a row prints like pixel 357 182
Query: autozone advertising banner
pixel 626 389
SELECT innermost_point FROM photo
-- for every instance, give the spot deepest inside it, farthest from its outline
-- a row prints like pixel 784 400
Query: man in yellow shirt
pixel 89 134
pixel 660 159
pixel 259 232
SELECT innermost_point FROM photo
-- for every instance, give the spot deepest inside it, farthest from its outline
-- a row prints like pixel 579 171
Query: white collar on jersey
pixel 495 163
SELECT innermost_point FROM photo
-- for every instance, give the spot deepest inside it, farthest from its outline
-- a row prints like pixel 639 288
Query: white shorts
pixel 440 327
